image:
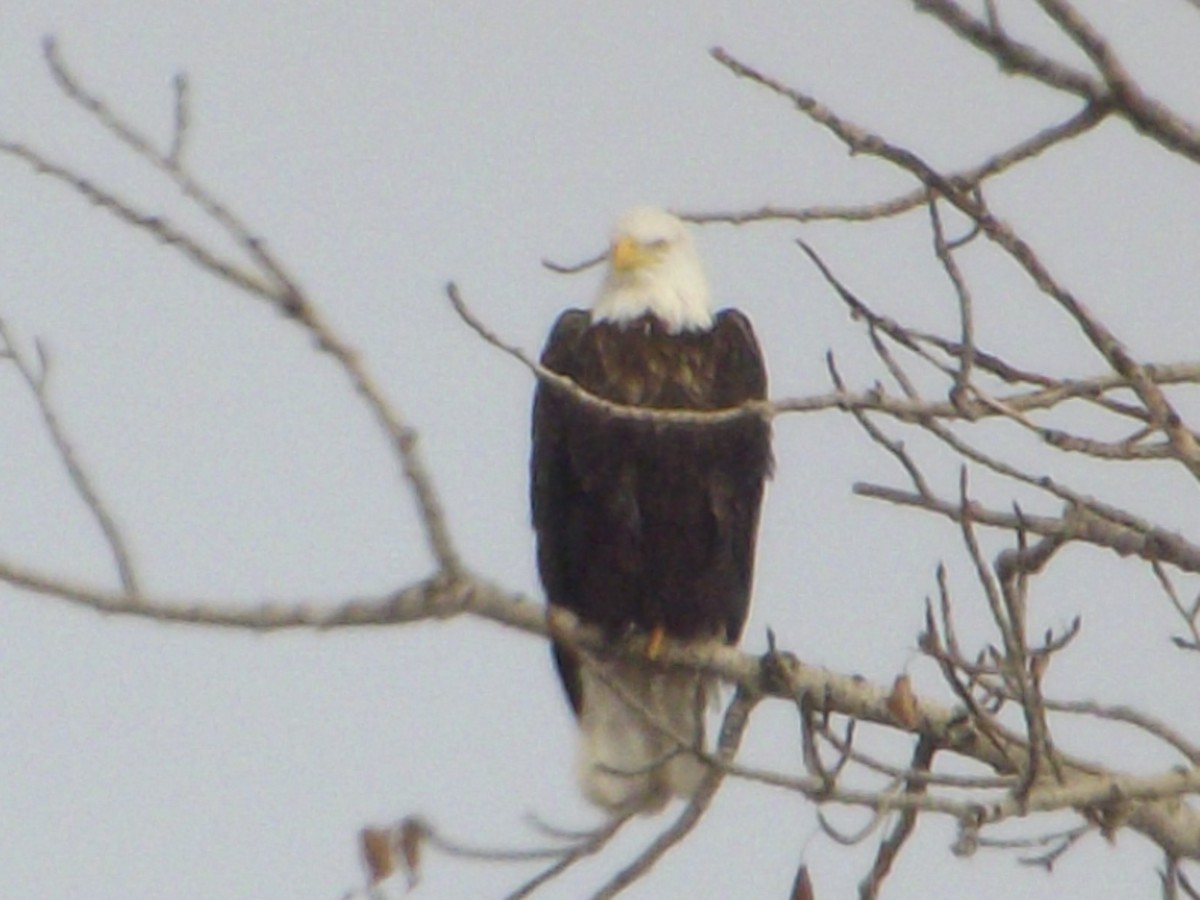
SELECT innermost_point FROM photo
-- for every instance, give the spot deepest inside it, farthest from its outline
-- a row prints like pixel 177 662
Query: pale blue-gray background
pixel 382 149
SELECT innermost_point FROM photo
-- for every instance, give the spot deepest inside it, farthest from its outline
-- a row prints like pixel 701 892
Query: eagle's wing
pixel 741 376
pixel 552 483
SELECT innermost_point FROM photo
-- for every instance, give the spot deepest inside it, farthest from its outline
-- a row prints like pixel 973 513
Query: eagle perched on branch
pixel 642 525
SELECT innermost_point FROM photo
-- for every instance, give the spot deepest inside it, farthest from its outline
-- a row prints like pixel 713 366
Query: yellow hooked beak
pixel 627 254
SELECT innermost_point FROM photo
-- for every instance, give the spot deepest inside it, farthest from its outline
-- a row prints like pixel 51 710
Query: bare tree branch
pixel 1131 537
pixel 890 848
pixel 858 140
pixel 1083 121
pixel 1012 56
pixel 269 280
pixel 37 381
pixel 584 845
pixel 1191 617
pixel 1029 774
pixel 1146 114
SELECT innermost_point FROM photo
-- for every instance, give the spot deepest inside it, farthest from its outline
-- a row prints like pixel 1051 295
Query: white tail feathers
pixel 627 763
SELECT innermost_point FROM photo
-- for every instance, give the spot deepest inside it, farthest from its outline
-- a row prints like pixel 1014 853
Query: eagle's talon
pixel 654 643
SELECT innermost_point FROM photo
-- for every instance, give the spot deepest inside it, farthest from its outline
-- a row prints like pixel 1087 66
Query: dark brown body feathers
pixel 649 524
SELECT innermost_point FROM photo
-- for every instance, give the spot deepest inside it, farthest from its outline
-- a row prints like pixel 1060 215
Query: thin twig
pixel 1144 721
pixel 592 844
pixel 890 847
pixel 1092 114
pixel 157 226
pixel 1190 617
pixel 962 379
pixel 893 447
pixel 179 133
pixel 574 268
pixel 37 382
pixel 755 408
pixel 1121 532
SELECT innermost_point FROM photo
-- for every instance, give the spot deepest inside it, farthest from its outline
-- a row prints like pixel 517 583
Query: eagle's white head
pixel 653 268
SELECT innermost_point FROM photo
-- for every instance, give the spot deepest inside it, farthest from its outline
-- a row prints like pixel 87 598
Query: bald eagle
pixel 644 526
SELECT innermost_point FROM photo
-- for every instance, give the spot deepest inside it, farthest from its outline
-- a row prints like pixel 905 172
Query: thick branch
pixel 1148 804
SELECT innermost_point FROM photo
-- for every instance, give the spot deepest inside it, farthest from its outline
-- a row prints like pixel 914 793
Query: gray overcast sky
pixel 382 149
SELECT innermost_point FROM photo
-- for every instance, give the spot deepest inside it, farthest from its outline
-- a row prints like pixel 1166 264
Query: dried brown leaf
pixel 802 888
pixel 377 853
pixel 902 703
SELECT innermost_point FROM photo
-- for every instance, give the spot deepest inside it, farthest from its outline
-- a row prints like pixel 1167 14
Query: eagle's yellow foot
pixel 654 643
